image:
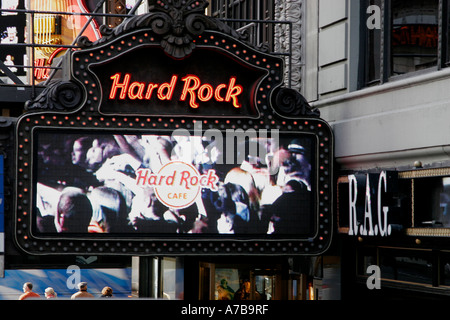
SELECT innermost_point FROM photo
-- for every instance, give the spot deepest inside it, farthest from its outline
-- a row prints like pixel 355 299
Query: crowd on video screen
pixel 85 183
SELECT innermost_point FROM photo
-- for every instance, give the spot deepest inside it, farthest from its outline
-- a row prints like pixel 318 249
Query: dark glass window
pixel 409 266
pixel 374 53
pixel 410 36
pixel 445 269
pixel 415 35
pixel 432 202
pixel 367 256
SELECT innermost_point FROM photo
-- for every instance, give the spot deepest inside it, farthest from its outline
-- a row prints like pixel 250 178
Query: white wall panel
pixel 333 78
pixel 333 44
pixel 331 11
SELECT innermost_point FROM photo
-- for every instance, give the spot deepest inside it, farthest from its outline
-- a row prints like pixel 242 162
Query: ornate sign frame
pixel 180 29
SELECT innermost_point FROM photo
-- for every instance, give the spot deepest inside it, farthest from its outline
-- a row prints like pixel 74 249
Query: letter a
pixel 373 281
pixel 368 211
pixel 169 88
pixel 374 21
pixel 74 278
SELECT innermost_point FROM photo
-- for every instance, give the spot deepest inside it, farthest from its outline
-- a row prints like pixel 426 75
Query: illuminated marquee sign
pixel 177 87
pixel 193 90
pixel 173 141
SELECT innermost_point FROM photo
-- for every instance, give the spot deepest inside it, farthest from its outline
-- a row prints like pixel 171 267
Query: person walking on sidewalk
pixel 28 292
pixel 82 292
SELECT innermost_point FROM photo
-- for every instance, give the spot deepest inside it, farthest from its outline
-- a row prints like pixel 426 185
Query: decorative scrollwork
pixel 58 95
pixel 290 103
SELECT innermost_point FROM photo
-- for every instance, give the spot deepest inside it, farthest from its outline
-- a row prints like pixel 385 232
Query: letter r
pixel 189 89
pixel 353 196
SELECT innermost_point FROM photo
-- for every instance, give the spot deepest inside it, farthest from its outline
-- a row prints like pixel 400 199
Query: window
pixel 373 51
pixel 408 39
pixel 409 266
pixel 246 283
pixel 367 256
pixel 173 278
pixel 432 202
pixel 415 36
pixel 445 269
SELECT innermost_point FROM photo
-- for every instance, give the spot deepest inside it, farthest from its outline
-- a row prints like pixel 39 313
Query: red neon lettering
pixel 209 92
pixel 150 88
pixel 416 35
pixel 39 72
pixel 192 90
pixel 43 73
pixel 188 89
pixel 217 92
pixel 140 90
pixel 169 87
pixel 205 92
pixel 233 92
pixel 122 86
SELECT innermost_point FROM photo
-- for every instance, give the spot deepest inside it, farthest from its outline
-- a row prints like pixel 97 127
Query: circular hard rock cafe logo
pixel 177 184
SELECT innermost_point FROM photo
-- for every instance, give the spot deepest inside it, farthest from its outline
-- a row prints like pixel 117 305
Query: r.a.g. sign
pixel 369 203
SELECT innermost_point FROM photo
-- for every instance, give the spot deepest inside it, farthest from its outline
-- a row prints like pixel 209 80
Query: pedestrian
pixel 82 292
pixel 28 292
pixel 244 292
pixel 50 293
pixel 107 292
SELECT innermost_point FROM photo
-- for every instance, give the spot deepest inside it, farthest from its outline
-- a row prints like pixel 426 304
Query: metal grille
pixel 257 20
pixel 254 17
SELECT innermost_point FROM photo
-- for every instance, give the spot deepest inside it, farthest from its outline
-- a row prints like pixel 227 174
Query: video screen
pixel 12 33
pixel 173 183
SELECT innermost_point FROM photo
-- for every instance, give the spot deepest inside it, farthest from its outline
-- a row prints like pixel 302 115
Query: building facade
pixel 280 268
pixel 377 70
